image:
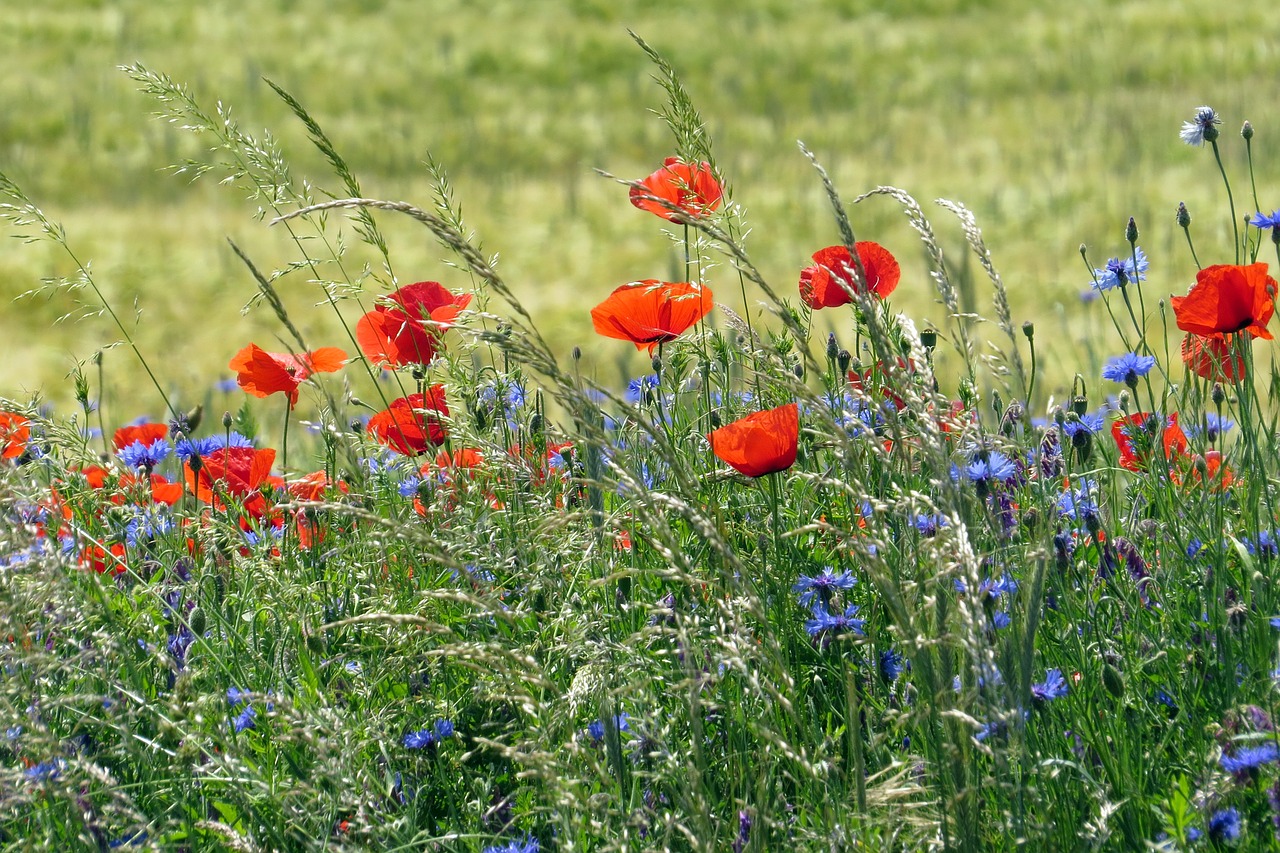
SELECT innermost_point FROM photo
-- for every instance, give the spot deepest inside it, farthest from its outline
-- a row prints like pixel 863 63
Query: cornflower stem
pixel 1106 303
pixel 1253 183
pixel 1276 243
pixel 1231 202
pixel 1187 231
pixel 102 390
pixel 284 439
pixel 1137 283
pixel 1031 385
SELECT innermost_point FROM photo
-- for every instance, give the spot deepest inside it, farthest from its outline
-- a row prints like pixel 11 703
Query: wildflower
pixel 186 448
pixel 823 585
pixel 929 525
pixel 828 283
pixel 744 832
pixel 1228 298
pixel 640 389
pixel 15 432
pixel 837 623
pixel 691 187
pixel 1224 825
pixel 528 844
pixel 989 467
pixel 892 663
pixel 146 456
pixel 651 312
pixel 595 730
pixel 406 328
pixel 1053 687
pixel 761 443
pixel 45 770
pixel 1201 129
pixel 1262 220
pixel 1212 357
pixel 410 423
pixel 1250 758
pixel 245 719
pixel 1262 545
pixel 237 470
pixel 1121 271
pixel 1128 368
pixel 1136 438
pixel 144 433
pixel 263 373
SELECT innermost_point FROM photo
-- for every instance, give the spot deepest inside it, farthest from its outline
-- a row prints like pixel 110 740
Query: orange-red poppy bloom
pixel 1228 298
pixel 102 561
pixel 651 312
pixel 692 188
pixel 761 443
pixel 408 329
pixel 15 432
pixel 824 284
pixel 1137 442
pixel 144 433
pixel 411 423
pixel 235 470
pixel 1210 356
pixel 263 373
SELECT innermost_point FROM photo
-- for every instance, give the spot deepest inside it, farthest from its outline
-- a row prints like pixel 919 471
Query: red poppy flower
pixel 694 189
pixel 15 432
pixel 1210 356
pixel 761 443
pixel 823 284
pixel 101 561
pixel 146 433
pixel 237 470
pixel 408 330
pixel 1137 444
pixel 1228 298
pixel 413 422
pixel 263 373
pixel 313 486
pixel 651 312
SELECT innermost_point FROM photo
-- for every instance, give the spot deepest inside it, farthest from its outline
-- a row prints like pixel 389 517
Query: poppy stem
pixel 284 440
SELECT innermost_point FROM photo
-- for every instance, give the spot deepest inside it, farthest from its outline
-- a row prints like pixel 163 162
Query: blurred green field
pixel 1054 122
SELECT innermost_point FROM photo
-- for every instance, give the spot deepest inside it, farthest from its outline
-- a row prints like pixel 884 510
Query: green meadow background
pixel 1054 122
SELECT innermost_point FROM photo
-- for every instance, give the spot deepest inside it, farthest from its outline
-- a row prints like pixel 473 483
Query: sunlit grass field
pixel 1053 122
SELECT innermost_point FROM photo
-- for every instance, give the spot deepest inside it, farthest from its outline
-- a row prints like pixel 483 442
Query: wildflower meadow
pixel 434 584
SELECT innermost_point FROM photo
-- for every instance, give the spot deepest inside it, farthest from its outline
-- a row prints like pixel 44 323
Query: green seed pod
pixel 197 621
pixel 1113 680
pixel 1184 215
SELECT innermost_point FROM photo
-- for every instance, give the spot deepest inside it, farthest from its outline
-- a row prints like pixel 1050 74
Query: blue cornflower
pixel 139 455
pixel 996 466
pixel 236 696
pixel 1214 426
pixel 1053 687
pixel 1224 825
pixel 595 730
pixel 823 585
pixel 1201 129
pixel 1122 271
pixel 840 623
pixel 409 486
pixel 1194 547
pixel 419 739
pixel 1088 423
pixel 929 525
pixel 45 770
pixel 132 839
pixel 1128 368
pixel 892 663
pixel 1001 620
pixel 1263 220
pixel 528 844
pixel 245 719
pixel 640 390
pixel 442 729
pixel 1262 545
pixel 226 386
pixel 1250 757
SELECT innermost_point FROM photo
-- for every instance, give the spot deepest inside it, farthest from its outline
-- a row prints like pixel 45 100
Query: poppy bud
pixel 535 422
pixel 419 373
pixel 355 426
pixel 1131 231
pixel 714 418
pixel 929 338
pixel 576 353
pixel 97 359
pixel 656 364
pixel 1184 215
pixel 833 346
pixel 227 420
pixel 1122 400
pixel 1113 680
pixel 798 370
pixel 197 621
pixel 1202 468
pixel 194 418
pixel 1080 404
pixel 842 359
pixel 1247 131
pixel 1060 417
pixel 1218 394
pixel 316 644
pixel 1029 329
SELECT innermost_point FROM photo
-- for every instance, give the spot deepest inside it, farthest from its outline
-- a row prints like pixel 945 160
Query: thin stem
pixel 1231 202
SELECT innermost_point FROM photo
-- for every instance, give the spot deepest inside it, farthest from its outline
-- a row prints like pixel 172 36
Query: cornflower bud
pixel 833 347
pixel 1184 215
pixel 1247 131
pixel 1131 231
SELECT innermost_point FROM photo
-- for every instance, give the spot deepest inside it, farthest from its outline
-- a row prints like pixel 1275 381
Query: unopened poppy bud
pixel 1113 680
pixel 97 359
pixel 227 420
pixel 798 370
pixel 1059 417
pixel 1029 329
pixel 194 417
pixel 833 347
pixel 1122 400
pixel 929 338
pixel 715 420
pixel 1131 231
pixel 419 373
pixel 535 422
pixel 1184 215
pixel 1218 394
pixel 1247 131
pixel 576 353
pixel 355 426
pixel 197 621
pixel 656 364
pixel 1080 404
pixel 1202 468
pixel 842 359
